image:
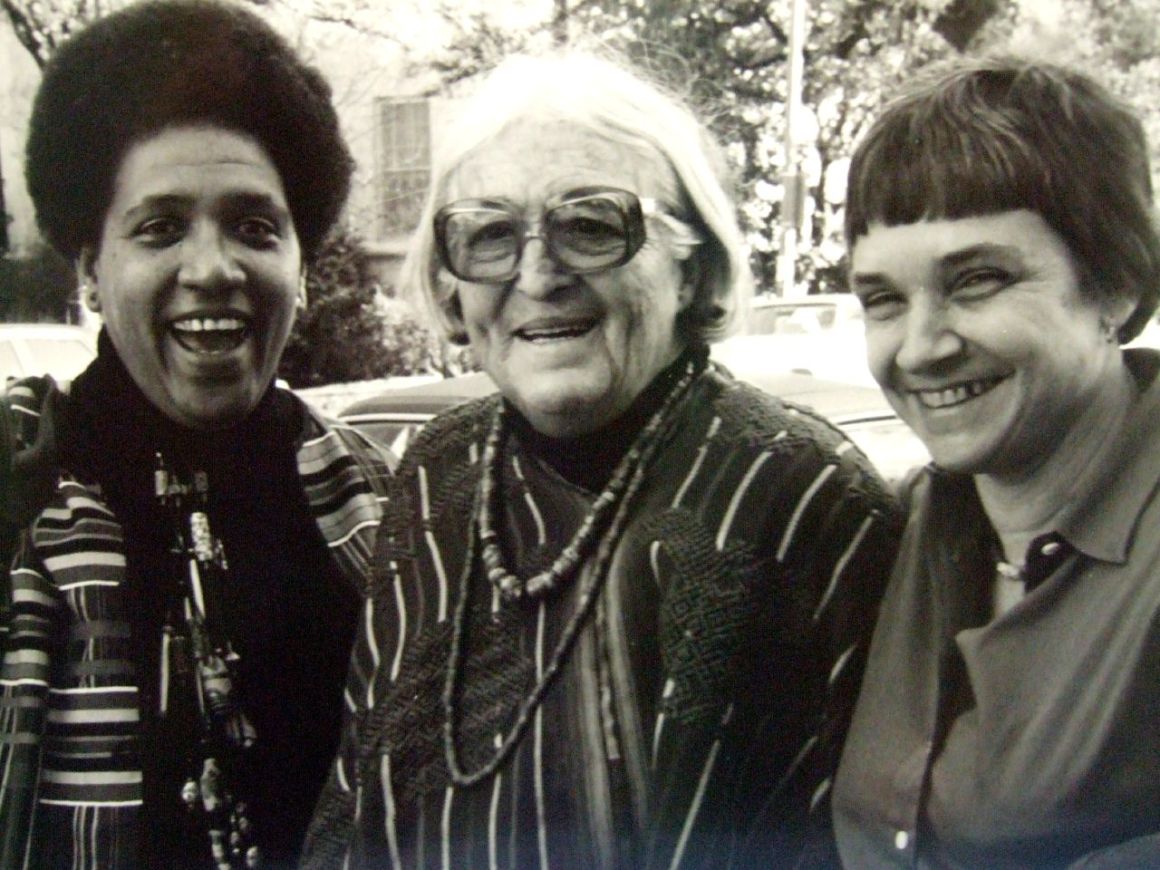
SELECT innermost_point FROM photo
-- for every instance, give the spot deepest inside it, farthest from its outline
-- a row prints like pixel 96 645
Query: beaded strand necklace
pixel 601 528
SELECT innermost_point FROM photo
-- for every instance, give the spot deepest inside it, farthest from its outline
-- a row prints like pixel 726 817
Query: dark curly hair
pixel 163 63
pixel 1000 133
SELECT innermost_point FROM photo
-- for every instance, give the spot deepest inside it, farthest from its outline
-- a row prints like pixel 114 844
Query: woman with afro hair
pixel 183 604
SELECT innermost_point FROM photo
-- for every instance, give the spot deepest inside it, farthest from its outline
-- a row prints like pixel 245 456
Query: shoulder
pixel 447 439
pixel 327 444
pixel 751 413
pixel 22 404
pixel 795 444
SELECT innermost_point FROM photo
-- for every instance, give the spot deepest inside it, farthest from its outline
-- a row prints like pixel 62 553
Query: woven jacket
pixel 697 719
pixel 66 587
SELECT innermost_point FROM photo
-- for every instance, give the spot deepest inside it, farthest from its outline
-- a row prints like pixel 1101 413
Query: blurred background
pixel 787 85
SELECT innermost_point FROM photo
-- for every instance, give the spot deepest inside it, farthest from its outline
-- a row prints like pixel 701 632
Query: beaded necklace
pixel 600 529
pixel 194 651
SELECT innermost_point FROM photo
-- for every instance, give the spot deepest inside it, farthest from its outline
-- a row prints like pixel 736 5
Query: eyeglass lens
pixel 581 235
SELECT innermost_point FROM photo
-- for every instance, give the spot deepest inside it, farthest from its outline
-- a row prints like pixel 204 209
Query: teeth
pixel 208 324
pixel 549 334
pixel 956 394
pixel 210 335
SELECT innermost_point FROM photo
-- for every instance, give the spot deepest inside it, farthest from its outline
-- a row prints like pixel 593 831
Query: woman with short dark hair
pixel 183 605
pixel 1003 246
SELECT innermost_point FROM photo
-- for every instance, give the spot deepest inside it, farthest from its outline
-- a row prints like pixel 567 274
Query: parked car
pixel 821 335
pixel 862 412
pixel 55 349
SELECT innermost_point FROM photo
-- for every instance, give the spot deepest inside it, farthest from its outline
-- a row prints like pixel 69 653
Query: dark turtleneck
pixel 286 608
pixel 589 460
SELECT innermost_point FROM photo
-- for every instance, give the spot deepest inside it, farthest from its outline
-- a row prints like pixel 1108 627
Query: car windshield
pixel 33 352
pixel 59 357
pixel 793 319
pixel 890 444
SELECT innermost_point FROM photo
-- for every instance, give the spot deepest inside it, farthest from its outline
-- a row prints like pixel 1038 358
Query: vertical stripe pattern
pixel 699 625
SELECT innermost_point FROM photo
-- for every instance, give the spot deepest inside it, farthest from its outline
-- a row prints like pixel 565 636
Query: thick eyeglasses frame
pixel 632 208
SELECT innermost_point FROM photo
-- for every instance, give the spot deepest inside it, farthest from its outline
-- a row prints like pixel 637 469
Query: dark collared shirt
pixel 1031 738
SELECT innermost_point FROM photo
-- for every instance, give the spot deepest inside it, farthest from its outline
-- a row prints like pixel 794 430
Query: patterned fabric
pixel 697 721
pixel 69 707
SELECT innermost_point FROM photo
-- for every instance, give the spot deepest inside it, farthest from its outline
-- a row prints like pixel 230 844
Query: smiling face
pixel 197 274
pixel 571 352
pixel 977 331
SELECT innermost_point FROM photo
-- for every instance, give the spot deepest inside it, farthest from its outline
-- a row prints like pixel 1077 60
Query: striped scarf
pixel 70 713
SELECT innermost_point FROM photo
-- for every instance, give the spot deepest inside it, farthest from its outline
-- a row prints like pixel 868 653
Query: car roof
pixel 838 401
pixel 50 330
pixel 428 398
pixel 769 300
pixel 59 349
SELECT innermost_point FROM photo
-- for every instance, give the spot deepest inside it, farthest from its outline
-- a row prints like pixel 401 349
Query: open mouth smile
pixel 955 394
pixel 555 330
pixel 210 335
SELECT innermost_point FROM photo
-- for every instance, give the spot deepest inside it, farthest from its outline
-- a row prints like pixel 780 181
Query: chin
pixel 962 461
pixel 214 414
pixel 565 417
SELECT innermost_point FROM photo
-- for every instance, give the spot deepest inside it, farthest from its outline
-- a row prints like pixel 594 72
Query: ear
pixel 453 314
pixel 87 279
pixel 1117 310
pixel 692 278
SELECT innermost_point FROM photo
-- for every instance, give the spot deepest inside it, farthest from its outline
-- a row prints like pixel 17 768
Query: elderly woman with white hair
pixel 620 608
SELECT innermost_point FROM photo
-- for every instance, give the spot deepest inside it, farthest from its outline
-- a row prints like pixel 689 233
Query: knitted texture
pixel 749 571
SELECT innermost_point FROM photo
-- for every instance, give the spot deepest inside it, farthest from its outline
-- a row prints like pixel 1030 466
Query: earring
pixel 301 303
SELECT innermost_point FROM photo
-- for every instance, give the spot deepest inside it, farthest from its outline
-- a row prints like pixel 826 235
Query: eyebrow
pixel 243 200
pixel 152 203
pixel 876 279
pixel 951 259
pixel 974 252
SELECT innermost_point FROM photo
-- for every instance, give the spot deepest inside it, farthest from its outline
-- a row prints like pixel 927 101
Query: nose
pixel 928 336
pixel 208 261
pixel 538 277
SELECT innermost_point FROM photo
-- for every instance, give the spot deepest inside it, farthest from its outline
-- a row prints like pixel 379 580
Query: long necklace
pixel 194 649
pixel 605 519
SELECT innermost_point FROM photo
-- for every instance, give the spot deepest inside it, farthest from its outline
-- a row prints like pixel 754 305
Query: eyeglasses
pixel 583 231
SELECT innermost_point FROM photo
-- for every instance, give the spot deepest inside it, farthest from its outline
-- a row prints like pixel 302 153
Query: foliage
pixel 347 332
pixel 729 60
pixel 40 286
pixel 1117 42
pixel 42 25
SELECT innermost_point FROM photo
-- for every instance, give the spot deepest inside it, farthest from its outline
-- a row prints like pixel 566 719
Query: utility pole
pixel 4 243
pixel 793 202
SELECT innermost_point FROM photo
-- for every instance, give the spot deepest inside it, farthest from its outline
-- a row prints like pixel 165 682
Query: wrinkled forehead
pixel 530 161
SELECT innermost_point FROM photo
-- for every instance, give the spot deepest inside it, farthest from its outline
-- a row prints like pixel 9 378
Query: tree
pixel 42 25
pixel 38 287
pixel 347 332
pixel 1116 42
pixel 729 60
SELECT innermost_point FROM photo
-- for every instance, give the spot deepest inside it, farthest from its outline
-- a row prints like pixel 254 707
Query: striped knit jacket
pixel 65 731
pixel 698 718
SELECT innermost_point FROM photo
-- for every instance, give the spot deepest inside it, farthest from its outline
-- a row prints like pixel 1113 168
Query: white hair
pixel 607 99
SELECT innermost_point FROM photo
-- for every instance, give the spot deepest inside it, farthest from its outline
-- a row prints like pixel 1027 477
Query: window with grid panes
pixel 404 161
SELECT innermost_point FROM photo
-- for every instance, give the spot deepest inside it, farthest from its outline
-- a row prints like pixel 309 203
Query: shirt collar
pixel 1109 500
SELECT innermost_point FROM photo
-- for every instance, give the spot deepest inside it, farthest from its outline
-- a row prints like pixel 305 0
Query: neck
pixel 1030 502
pixel 589 459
